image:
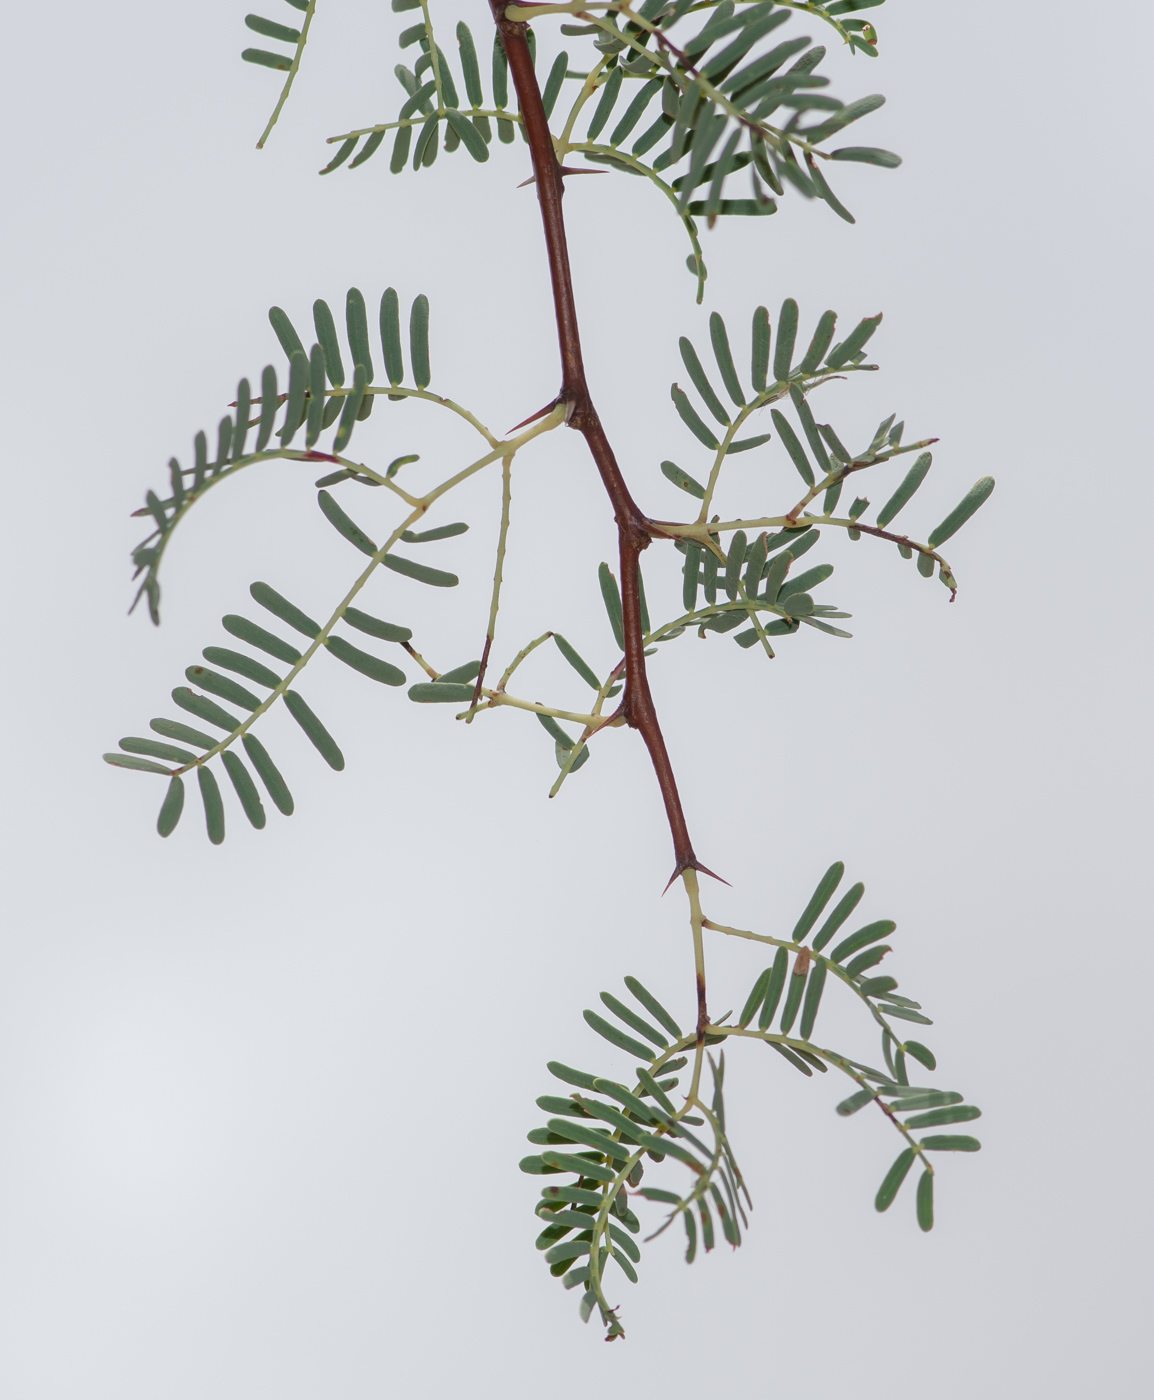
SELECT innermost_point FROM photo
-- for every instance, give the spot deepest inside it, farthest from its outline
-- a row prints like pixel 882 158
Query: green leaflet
pixel 692 573
pixel 809 427
pixel 171 729
pixel 468 672
pixel 734 563
pixel 921 1054
pixel 318 735
pixel 631 1019
pixel 893 1179
pixel 776 987
pixel 612 598
pixel 926 1201
pixel 298 383
pixel 855 1101
pixel 419 340
pixel 910 483
pixel 155 750
pixel 655 1009
pixel 245 789
pixel 246 631
pixel 315 415
pixel 440 532
pixel 616 1038
pixel 853 343
pixel 813 991
pixel 573 1195
pixel 792 446
pixel 500 75
pixel 327 339
pixel 820 343
pixel 280 607
pixel 374 627
pixel 344 150
pixel 281 62
pixel 797 981
pixel 471 139
pixel 576 1077
pixel 344 525
pixel 217 684
pixel 851 112
pixel 588 1137
pixel 700 380
pixel 803 582
pixel 688 415
pixel 171 808
pixel 654 1089
pixel 926 565
pixel 213 806
pixel 868 155
pixel 552 89
pixel 469 67
pixel 563 1161
pixel 440 693
pixel 204 708
pixel 818 900
pixel 754 563
pixel 950 1142
pixel 882 928
pixel 938 1117
pixel 351 411
pixel 844 908
pixel 268 407
pixel 605 104
pixel 856 966
pixel 365 663
pixel 391 330
pixel 755 998
pixel 786 336
pixel 976 496
pixel 672 472
pixel 242 665
pixel 634 111
pixel 285 332
pixel 585 671
pixel 436 578
pixel 759 367
pixel 747 444
pixel 240 432
pixel 138 765
pixel 795 1060
pixel 775 575
pixel 268 774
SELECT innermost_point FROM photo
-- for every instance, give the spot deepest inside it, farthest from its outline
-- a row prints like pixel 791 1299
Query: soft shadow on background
pixel 261 1106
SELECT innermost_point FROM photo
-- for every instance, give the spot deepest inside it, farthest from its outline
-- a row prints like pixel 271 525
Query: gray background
pixel 260 1107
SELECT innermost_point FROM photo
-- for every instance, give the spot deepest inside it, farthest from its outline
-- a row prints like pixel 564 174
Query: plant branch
pixel 634 530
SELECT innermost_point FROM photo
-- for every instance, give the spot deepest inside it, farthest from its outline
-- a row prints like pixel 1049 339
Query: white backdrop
pixel 261 1106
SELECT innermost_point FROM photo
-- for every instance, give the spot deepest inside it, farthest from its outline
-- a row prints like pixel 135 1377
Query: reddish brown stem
pixel 634 529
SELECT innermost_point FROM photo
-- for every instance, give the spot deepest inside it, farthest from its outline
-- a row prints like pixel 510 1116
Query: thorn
pixel 565 170
pixel 541 413
pixel 683 865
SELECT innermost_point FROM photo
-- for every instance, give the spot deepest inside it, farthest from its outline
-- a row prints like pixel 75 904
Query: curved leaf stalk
pixel 291 77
